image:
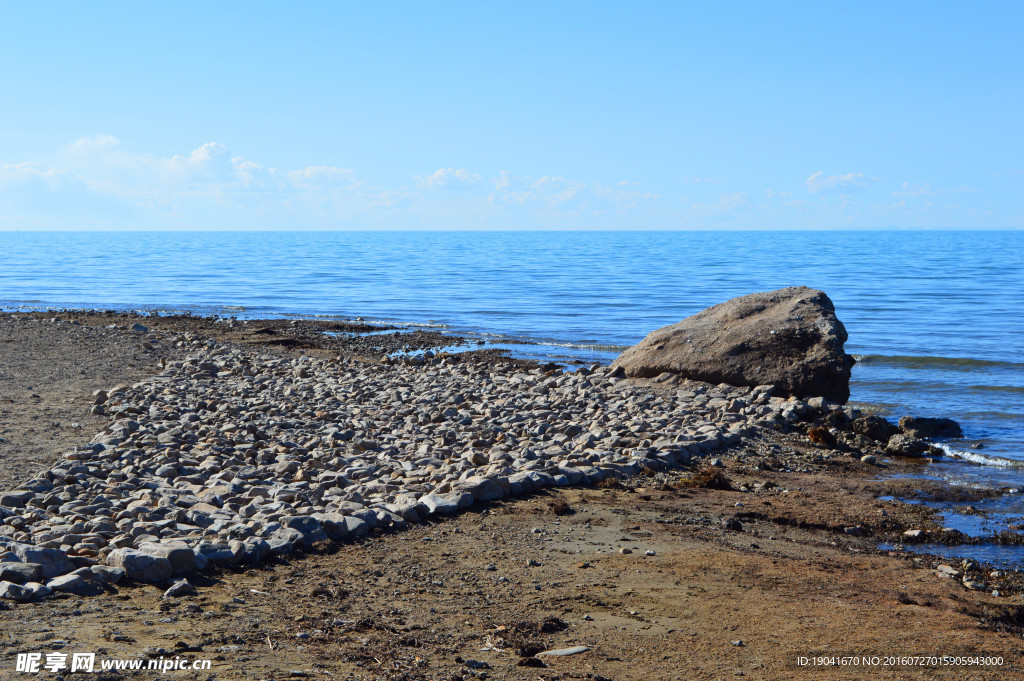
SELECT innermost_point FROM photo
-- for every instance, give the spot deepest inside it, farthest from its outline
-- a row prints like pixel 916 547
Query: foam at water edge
pixel 981 459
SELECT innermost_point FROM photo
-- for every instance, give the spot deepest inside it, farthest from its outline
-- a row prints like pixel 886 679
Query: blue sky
pixel 524 115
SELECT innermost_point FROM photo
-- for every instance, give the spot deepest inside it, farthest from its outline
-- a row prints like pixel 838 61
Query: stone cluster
pixel 230 456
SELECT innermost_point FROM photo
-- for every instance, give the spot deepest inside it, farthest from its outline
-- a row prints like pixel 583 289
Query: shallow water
pixel 1007 557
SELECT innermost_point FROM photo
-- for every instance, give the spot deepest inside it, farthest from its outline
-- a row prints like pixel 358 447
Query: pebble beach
pixel 230 455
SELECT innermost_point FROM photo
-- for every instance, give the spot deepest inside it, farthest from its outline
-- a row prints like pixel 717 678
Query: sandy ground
pixel 658 578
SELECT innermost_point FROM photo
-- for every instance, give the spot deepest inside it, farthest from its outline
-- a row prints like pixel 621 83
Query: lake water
pixel 936 319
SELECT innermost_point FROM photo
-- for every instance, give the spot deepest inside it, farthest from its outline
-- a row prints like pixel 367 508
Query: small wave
pixel 981 459
pixel 417 325
pixel 589 346
pixel 926 362
pixel 998 388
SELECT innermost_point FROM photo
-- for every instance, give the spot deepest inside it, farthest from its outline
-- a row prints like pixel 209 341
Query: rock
pixel 874 427
pixel 308 526
pixel 106 574
pixel 220 553
pixel 920 427
pixel 947 571
pixel 74 584
pixel 284 540
pixel 16 499
pixel 140 566
pixel 179 554
pixel 38 590
pixel 406 509
pixel 563 652
pixel 357 527
pixel 868 458
pixel 52 562
pixel 15 592
pixel 904 445
pixel 333 525
pixel 442 504
pixel 19 573
pixel 179 589
pixel 482 489
pixel 732 524
pixel 789 338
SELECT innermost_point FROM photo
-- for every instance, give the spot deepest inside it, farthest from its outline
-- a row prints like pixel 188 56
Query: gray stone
pixel 19 573
pixel 906 446
pixel 368 515
pixel 921 427
pixel 334 525
pixel 219 553
pixel 283 540
pixel 141 567
pixel 180 555
pixel 308 526
pixel 789 338
pixel 74 584
pixel 406 509
pixel 38 590
pixel 179 589
pixel 52 562
pixel 16 499
pixel 482 489
pixel 106 574
pixel 15 592
pixel 523 482
pixel 446 504
pixel 563 652
pixel 874 427
pixel 357 527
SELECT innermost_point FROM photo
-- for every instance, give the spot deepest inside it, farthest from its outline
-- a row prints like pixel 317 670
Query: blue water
pixel 936 318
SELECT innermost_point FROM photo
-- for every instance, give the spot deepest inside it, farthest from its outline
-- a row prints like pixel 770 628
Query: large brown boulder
pixel 789 338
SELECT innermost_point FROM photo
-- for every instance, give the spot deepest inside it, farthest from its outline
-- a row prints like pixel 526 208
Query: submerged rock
pixel 874 427
pixel 921 427
pixel 789 338
pixel 904 445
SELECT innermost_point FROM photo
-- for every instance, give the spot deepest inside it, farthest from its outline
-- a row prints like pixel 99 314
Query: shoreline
pixel 751 458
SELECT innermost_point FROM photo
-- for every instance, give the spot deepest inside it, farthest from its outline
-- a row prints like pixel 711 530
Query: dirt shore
pixel 669 575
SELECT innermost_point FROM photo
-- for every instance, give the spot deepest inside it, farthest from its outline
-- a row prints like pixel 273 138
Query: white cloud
pixel 523 190
pixel 913 190
pixel 19 173
pixel 451 178
pixel 313 177
pixel 726 202
pixel 820 183
pixel 97 182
